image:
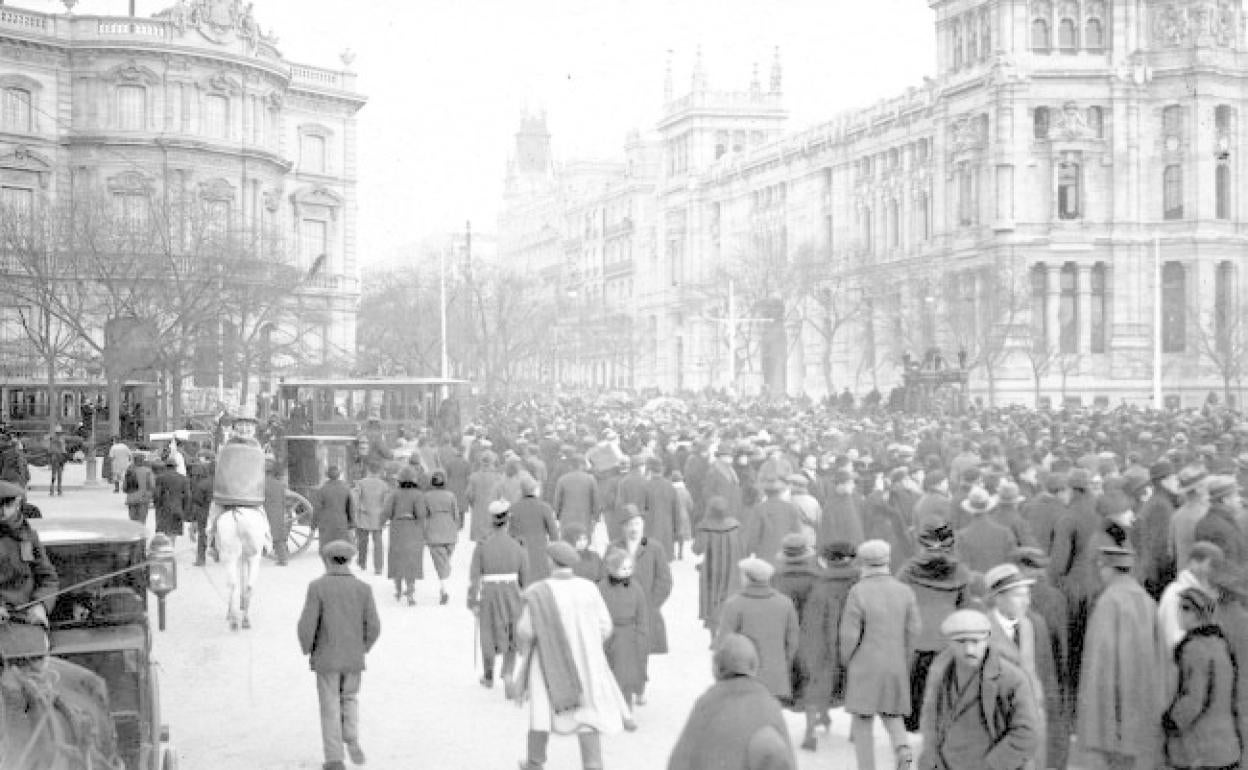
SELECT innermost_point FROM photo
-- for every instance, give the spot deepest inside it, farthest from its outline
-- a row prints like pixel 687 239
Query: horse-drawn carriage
pixel 308 459
pixel 100 622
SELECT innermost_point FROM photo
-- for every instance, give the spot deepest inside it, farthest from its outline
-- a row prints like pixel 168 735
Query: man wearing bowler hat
pixel 338 626
pixel 978 710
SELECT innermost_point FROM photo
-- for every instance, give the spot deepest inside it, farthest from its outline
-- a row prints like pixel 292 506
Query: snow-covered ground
pixel 247 701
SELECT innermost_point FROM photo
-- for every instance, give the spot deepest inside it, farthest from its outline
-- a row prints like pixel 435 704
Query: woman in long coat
pixel 821 631
pixel 405 512
pixel 650 571
pixel 718 540
pixel 878 634
pixel 628 644
pixel 795 577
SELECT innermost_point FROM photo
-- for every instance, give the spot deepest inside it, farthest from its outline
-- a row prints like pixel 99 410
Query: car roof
pixel 77 530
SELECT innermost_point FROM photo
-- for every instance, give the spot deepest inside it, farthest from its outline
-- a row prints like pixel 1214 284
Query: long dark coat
pixel 405 512
pixel 576 499
pixel 821 630
pixel 632 490
pixel 885 521
pixel 1042 514
pixel 628 645
pixel 172 498
pixel 718 541
pixel 1218 526
pixel 766 617
pixel 652 573
pixel 1155 565
pixel 662 512
pixel 1123 662
pixel 983 543
pixel 841 520
pixel 500 603
pixel 878 632
pixel 722 481
pixel 734 721
pixel 1200 724
pixel 533 525
pixel 772 520
pixel 333 512
pixel 797 579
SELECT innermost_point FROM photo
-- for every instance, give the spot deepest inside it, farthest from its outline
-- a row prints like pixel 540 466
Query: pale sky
pixel 447 80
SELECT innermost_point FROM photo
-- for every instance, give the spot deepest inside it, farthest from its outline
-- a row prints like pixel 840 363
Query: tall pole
pixel 1157 397
pixel 442 309
pixel 730 371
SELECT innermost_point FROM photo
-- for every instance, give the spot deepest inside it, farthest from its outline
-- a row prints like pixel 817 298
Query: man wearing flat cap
pixel 1123 664
pixel 736 724
pixel 563 669
pixel 338 626
pixel 768 619
pixel 979 710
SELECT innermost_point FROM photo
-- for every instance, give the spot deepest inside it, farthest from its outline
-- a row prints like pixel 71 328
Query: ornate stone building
pixel 195 103
pixel 1069 162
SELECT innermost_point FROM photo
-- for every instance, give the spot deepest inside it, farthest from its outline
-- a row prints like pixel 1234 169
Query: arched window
pixel 1067 36
pixel 1172 192
pixel 1040 36
pixel 1096 121
pixel 1040 123
pixel 1173 308
pixel 1094 35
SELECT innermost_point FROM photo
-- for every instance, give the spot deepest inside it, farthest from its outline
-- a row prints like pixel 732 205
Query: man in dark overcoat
pixel 1156 567
pixel 495 578
pixel 275 509
pixel 768 619
pixel 632 490
pixel 773 518
pixel 576 496
pixel 338 626
pixel 1043 511
pixel 533 525
pixel 722 481
pixel 1072 567
pixel 662 509
pixel 333 509
pixel 982 543
pixel 172 499
pixel 978 709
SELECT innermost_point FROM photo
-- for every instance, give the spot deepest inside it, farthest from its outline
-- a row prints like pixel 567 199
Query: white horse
pixel 242 535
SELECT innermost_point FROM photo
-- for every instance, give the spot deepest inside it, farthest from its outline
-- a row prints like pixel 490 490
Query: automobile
pixel 101 621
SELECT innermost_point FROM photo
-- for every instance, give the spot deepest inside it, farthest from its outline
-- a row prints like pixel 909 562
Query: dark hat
pixel 1030 556
pixel 614 560
pixel 333 472
pixel 1197 601
pixel 1003 577
pixel 794 547
pixel 338 550
pixel 562 554
pixel 437 479
pixel 839 553
pixel 1117 557
pixel 735 655
pixel 630 512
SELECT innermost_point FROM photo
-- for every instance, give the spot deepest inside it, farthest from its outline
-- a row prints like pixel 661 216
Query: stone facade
pixel 1068 159
pixel 196 101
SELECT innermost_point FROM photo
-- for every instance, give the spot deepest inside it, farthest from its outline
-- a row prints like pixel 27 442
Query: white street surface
pixel 246 700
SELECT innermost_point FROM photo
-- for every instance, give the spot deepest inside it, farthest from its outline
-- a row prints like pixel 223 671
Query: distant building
pixel 194 103
pixel 1010 207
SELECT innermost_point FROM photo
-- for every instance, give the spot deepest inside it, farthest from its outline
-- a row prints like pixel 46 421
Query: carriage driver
pixel 242 431
pixel 26 573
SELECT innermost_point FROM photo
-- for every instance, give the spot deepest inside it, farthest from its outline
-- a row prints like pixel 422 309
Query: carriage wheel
pixel 299 531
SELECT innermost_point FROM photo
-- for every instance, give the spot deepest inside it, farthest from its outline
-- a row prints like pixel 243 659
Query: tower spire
pixel 699 72
pixel 755 86
pixel 776 72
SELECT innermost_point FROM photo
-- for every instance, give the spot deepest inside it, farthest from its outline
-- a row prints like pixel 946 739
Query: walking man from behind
pixel 371 491
pixel 339 624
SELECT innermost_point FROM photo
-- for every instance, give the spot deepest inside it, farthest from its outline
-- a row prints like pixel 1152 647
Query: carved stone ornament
pixel 271 200
pixel 1203 22
pixel 219 21
pixel 274 99
pixel 316 195
pixel 1071 125
pixel 967 134
pixel 22 158
pixel 220 81
pixel 133 72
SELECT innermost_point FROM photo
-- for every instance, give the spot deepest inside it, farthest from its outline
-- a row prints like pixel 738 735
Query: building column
pixel 1053 304
pixel 1085 309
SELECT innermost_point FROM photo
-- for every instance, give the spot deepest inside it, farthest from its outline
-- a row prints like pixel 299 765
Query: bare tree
pixel 985 320
pixel 1220 335
pixel 397 328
